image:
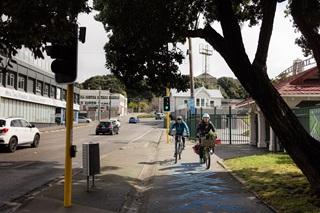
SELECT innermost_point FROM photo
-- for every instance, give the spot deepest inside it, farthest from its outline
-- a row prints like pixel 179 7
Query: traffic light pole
pixel 69 140
pixel 168 117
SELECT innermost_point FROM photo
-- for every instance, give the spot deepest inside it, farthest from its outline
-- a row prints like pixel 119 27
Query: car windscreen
pixel 105 124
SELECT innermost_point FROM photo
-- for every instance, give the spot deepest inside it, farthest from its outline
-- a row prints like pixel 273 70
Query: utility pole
pixel 167 115
pixel 191 70
pixel 99 107
pixel 109 104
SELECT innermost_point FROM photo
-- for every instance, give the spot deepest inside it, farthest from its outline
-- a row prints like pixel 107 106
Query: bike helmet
pixel 206 115
pixel 179 118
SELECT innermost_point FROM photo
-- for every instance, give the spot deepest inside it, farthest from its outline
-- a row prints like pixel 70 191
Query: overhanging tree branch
pixel 300 15
pixel 269 10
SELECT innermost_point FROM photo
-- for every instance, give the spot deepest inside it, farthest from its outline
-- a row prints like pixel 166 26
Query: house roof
pixel 304 83
pixel 212 92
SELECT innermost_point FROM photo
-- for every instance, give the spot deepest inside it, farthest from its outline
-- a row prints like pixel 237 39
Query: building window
pixel 76 99
pixel 39 88
pixel 64 95
pixel 11 80
pixel 21 82
pixel 91 97
pixel 53 92
pixel 211 103
pixel 46 90
pixel 203 102
pixel 58 94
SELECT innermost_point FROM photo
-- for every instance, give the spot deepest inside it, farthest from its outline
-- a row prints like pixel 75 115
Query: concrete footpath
pixel 143 178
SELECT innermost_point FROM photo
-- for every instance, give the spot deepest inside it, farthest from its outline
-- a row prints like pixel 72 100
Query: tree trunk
pixel 310 32
pixel 302 148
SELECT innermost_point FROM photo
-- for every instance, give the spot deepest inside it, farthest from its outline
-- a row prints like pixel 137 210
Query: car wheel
pixel 13 144
pixel 97 133
pixel 87 121
pixel 36 141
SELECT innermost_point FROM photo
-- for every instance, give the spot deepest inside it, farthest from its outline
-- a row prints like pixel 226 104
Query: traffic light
pixel 166 103
pixel 66 59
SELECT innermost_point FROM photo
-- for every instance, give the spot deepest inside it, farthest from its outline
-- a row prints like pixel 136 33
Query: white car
pixel 117 121
pixel 82 119
pixel 160 116
pixel 17 131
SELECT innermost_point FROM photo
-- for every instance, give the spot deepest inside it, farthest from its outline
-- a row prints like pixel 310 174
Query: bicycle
pixel 208 150
pixel 178 147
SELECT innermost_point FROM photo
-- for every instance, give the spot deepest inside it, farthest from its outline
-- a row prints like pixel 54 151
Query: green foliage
pixel 232 88
pixel 133 105
pixel 143 105
pixel 146 116
pixel 138 46
pixel 311 13
pixel 34 23
pixel 106 82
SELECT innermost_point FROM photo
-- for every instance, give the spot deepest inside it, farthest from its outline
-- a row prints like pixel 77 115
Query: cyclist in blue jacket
pixel 181 127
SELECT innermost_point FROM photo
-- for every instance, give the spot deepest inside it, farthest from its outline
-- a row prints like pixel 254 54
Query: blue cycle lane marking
pixel 199 190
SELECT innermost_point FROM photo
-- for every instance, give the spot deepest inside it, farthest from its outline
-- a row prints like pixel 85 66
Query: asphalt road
pixel 29 169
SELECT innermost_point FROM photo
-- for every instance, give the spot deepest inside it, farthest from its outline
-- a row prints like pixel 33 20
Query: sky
pixel 282 50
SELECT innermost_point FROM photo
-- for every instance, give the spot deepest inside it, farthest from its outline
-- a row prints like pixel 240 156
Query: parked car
pixel 160 116
pixel 17 131
pixel 134 120
pixel 107 127
pixel 117 121
pixel 82 119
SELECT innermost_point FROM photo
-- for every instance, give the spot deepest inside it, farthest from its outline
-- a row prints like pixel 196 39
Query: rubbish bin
pixel 91 159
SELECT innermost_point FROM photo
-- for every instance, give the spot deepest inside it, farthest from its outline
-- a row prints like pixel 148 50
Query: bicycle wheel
pixel 207 158
pixel 180 149
pixel 176 153
pixel 204 155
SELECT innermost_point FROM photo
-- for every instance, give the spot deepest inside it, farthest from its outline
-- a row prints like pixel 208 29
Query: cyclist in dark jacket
pixel 181 127
pixel 204 128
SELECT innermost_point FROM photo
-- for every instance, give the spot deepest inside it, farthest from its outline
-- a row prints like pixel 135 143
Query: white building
pixel 203 98
pixel 28 89
pixel 91 100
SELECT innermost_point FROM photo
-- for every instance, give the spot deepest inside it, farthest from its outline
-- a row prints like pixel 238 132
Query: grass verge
pixel 277 180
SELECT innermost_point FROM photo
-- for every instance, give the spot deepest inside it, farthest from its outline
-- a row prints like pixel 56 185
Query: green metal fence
pixel 232 125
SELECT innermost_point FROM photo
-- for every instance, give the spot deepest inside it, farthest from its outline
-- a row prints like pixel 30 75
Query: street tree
pixel 232 88
pixel 32 24
pixel 104 82
pixel 143 45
